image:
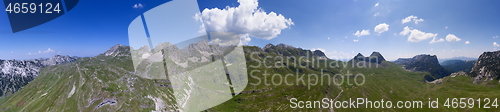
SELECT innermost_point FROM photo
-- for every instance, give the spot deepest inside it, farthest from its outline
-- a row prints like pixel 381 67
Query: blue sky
pixel 94 26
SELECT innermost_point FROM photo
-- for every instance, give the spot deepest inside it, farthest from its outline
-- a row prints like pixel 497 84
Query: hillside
pixel 107 83
pixel 15 74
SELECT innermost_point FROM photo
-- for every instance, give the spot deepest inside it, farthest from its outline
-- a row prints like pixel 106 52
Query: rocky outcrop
pixel 424 63
pixel 15 74
pixel 487 67
pixel 117 50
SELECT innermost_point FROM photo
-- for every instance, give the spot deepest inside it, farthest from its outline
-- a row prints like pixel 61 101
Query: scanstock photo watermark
pixel 308 79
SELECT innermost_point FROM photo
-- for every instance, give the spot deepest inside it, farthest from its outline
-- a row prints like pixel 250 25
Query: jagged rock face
pixel 117 50
pixel 487 67
pixel 15 74
pixel 424 63
pixel 375 57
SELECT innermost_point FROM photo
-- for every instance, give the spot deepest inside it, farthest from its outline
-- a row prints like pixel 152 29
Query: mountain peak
pixel 375 57
pixel 116 50
pixel 268 46
pixel 284 45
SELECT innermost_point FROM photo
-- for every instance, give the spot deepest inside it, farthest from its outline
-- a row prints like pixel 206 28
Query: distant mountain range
pixel 459 65
pixel 288 50
pixel 456 58
pixel 15 74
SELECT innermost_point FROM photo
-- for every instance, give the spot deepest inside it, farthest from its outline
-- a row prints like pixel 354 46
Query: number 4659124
pixel 464 103
pixel 32 8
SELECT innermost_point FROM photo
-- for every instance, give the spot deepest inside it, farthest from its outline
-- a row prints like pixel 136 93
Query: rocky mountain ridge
pixel 288 50
pixel 424 63
pixel 487 67
pixel 15 74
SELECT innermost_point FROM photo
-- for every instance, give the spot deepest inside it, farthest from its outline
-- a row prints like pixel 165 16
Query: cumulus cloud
pixel 446 27
pixel 495 44
pixel 247 18
pixel 376 14
pixel 411 18
pixel 381 28
pixel 139 5
pixel 495 36
pixel 355 40
pixel 452 38
pixel 363 32
pixel 434 40
pixel 244 39
pixel 377 4
pixel 416 35
pixel 328 38
pixel 43 52
pixel 467 42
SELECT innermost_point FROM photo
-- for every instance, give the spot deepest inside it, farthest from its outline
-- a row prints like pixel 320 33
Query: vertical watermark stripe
pixel 147 32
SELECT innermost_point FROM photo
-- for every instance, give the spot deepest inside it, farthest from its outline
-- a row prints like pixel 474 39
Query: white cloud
pixel 377 4
pixel 139 5
pixel 495 44
pixel 452 38
pixel 244 39
pixel 495 36
pixel 376 14
pixel 321 49
pixel 328 38
pixel 434 40
pixel 467 42
pixel 247 18
pixel 411 18
pixel 418 20
pixel 416 35
pixel 363 32
pixel 355 40
pixel 43 52
pixel 381 28
pixel 338 55
pixel 446 27
pixel 432 49
pixel 334 54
